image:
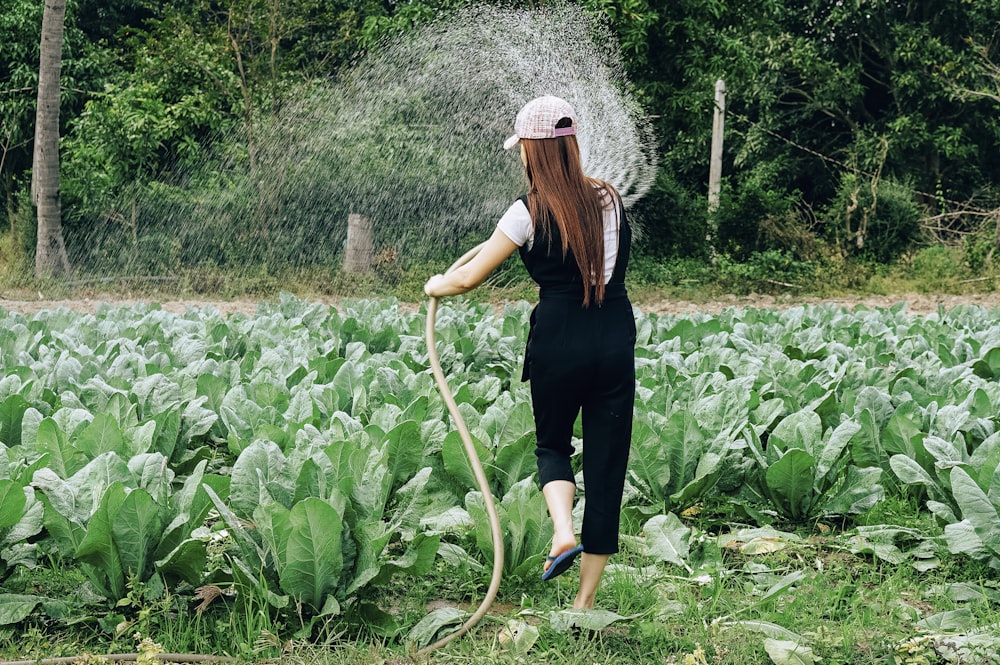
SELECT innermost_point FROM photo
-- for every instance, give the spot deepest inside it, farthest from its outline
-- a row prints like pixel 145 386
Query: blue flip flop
pixel 561 563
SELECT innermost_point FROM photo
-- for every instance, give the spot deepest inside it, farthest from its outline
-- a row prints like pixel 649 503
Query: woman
pixel 574 240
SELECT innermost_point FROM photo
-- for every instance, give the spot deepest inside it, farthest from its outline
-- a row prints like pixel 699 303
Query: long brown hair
pixel 560 192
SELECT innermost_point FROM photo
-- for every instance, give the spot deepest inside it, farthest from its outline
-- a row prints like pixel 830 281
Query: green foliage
pixel 300 462
pixel 678 459
pixel 806 473
pixel 670 221
pixel 20 520
pixel 938 264
pixel 525 524
pixel 960 488
pixel 85 66
pixel 648 271
pixel 876 220
pixel 764 272
pixel 750 216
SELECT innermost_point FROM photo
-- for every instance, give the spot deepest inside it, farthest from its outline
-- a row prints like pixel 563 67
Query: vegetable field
pixel 297 463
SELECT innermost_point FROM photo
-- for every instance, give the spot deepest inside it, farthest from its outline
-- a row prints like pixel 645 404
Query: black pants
pixel 583 361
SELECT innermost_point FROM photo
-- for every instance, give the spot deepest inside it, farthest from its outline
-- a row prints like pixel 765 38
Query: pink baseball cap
pixel 538 118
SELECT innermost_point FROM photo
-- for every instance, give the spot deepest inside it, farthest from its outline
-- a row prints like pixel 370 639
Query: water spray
pixel 477 468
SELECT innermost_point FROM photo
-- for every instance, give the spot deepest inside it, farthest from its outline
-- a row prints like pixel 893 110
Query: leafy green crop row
pixel 302 457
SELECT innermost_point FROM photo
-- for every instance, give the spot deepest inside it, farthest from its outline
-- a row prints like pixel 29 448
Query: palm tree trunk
pixel 50 252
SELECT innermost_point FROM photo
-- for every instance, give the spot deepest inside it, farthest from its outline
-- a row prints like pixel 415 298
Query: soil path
pixel 917 304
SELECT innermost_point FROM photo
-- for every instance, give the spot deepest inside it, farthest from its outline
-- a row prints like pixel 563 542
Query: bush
pixel 937 264
pixel 979 247
pixel 765 271
pixel 670 221
pixel 649 271
pixel 752 218
pixel 874 222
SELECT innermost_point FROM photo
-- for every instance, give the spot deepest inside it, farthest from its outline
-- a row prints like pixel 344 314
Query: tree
pixel 50 253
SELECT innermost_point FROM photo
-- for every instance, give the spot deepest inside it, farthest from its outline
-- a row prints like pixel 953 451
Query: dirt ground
pixel 918 304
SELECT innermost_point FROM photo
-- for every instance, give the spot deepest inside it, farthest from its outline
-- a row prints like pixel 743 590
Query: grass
pixel 847 608
pixel 933 270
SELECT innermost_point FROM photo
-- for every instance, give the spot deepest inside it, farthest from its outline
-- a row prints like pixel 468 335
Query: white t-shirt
pixel 516 224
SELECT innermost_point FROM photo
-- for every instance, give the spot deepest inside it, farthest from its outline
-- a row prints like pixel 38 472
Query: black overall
pixel 582 359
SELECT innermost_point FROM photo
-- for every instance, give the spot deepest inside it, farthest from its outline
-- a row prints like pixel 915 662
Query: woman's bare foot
pixel 561 542
pixel 591 570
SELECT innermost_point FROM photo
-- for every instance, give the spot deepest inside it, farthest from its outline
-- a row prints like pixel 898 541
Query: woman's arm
pixel 469 276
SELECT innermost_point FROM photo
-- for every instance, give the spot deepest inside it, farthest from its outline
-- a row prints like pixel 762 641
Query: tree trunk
pixel 50 252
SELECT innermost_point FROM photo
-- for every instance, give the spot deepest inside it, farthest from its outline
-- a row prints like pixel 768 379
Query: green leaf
pixel 988 367
pixel 168 429
pixel 726 411
pixel 802 430
pixel 63 458
pixel 11 414
pixel 15 607
pixel 790 481
pixel 984 461
pixel 962 538
pixel 706 477
pixel 273 526
pixel 456 460
pixel 785 652
pixel 416 561
pixel 407 502
pixel 516 461
pixel 518 423
pixel 911 473
pixel 427 629
pixel 372 491
pixel 98 546
pixel 151 472
pixel 866 447
pixel 683 442
pixel 977 508
pixel 12 502
pixel 256 472
pixel 834 450
pixel 313 554
pixel 102 435
pixel 404 451
pixel 667 540
pixel 251 554
pixel 372 538
pixel 565 620
pixel 349 461
pixel 185 562
pixel 788 580
pixel 904 433
pixel 518 636
pixel 136 530
pixel 66 534
pixel 30 523
pixel 376 619
pixel 952 621
pixel 647 468
pixel 859 490
pixel 766 628
pixel 525 525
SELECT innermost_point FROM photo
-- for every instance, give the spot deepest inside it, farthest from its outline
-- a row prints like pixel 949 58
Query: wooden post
pixel 715 165
pixel 358 252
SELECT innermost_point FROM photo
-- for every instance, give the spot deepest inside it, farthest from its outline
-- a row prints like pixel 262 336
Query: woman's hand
pixel 433 286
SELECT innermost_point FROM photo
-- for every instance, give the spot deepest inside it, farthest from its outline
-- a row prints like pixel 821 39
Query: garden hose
pixel 477 468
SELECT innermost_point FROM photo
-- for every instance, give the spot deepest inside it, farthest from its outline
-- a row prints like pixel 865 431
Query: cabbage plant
pixel 804 472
